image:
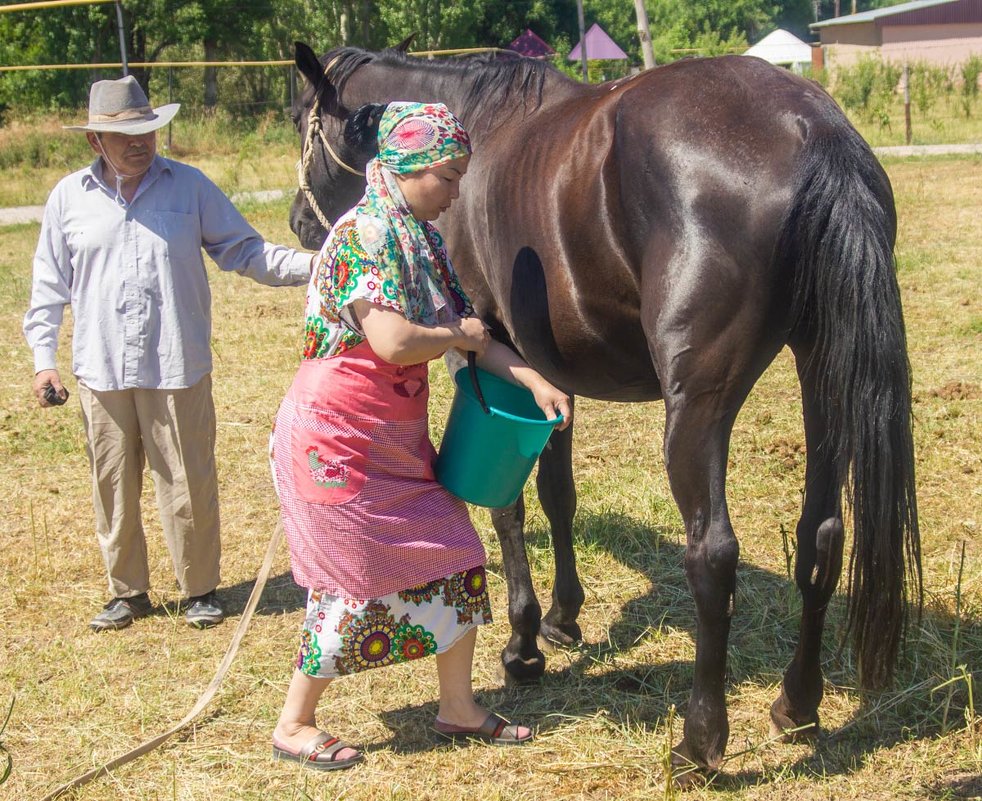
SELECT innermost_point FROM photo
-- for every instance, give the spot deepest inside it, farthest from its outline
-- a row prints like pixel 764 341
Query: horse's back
pixel 638 202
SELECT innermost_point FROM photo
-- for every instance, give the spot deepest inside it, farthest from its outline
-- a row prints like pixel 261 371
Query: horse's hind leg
pixel 696 440
pixel 817 568
pixel 557 494
pixel 521 657
pixel 707 362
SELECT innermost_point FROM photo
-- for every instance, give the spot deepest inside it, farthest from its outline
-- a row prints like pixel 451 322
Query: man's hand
pixel 48 388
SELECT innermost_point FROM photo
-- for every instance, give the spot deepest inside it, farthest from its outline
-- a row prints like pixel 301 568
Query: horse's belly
pixel 616 366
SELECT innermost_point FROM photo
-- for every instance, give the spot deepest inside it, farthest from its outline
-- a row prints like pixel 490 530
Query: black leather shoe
pixel 120 612
pixel 204 611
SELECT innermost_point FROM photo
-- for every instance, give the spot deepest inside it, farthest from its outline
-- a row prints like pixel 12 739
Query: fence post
pixel 170 99
pixel 907 130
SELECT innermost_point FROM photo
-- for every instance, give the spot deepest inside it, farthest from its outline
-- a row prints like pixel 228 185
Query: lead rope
pixel 314 128
pixel 210 690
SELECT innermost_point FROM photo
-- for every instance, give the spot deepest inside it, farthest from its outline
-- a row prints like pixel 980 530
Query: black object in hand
pixel 55 398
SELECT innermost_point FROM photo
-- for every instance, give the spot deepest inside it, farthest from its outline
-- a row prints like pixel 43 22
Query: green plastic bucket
pixel 489 448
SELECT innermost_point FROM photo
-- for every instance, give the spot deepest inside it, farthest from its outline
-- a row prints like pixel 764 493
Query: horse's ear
pixel 403 46
pixel 307 63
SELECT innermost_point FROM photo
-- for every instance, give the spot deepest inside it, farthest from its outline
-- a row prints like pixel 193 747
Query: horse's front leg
pixel 521 657
pixel 818 565
pixel 557 494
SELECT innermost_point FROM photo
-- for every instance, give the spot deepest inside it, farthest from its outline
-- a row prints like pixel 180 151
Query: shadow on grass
pixel 281 595
pixel 762 640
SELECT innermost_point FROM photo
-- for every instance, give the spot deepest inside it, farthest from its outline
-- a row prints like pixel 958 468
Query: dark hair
pixel 361 127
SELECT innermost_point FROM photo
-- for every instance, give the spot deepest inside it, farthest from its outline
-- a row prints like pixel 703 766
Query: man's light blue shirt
pixel 134 275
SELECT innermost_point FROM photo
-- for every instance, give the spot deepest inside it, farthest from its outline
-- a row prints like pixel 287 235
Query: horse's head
pixel 331 172
pixel 328 170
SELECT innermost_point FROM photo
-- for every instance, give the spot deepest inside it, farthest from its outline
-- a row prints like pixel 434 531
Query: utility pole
pixel 579 14
pixel 122 39
pixel 644 33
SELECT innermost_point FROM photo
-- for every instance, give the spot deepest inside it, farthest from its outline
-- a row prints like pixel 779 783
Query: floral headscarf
pixel 411 137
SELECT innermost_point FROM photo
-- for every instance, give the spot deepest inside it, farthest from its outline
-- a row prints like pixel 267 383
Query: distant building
pixel 599 46
pixel 940 32
pixel 530 45
pixel 784 49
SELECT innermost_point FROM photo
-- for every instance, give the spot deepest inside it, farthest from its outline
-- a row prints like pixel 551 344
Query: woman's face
pixel 430 192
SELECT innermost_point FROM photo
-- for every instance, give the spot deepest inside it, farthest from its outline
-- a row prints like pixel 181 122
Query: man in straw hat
pixel 121 243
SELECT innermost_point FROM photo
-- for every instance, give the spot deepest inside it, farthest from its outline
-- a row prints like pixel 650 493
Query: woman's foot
pixel 313 747
pixel 489 728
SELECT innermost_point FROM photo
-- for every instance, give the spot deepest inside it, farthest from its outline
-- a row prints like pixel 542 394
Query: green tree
pixel 438 24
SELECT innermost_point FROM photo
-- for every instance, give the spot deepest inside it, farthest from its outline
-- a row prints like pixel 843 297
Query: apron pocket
pixel 329 453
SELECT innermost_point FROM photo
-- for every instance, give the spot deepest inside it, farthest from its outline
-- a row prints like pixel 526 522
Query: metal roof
pixel 879 13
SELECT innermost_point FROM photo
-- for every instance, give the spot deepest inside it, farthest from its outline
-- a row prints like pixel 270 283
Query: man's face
pixel 129 156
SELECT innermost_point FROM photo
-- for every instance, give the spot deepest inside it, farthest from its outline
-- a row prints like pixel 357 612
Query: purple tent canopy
pixel 599 46
pixel 531 46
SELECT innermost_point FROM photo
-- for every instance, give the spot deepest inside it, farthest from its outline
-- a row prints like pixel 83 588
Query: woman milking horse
pixel 664 237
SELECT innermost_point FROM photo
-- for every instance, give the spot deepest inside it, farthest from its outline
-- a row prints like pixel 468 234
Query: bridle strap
pixel 314 128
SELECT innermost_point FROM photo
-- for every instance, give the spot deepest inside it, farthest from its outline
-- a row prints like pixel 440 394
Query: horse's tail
pixel 840 235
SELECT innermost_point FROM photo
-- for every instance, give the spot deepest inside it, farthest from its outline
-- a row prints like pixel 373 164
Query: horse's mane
pixel 485 79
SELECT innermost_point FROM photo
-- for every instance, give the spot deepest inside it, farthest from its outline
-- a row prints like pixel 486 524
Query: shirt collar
pixel 92 175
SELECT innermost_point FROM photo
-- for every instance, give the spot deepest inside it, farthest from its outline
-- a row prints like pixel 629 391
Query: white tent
pixel 784 48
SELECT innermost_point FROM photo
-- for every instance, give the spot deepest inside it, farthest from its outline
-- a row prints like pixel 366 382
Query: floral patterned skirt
pixel 347 635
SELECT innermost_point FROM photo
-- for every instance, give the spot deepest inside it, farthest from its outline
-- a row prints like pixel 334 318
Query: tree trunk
pixel 211 75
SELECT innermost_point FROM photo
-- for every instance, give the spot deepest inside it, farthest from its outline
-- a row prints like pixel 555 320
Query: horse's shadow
pixel 762 640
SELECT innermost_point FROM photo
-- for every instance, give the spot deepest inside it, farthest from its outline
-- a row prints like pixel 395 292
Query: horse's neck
pixel 454 88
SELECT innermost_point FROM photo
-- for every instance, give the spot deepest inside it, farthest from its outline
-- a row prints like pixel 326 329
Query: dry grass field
pixel 607 712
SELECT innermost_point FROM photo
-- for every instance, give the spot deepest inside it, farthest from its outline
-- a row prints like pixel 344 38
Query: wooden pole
pixel 579 14
pixel 170 99
pixel 644 33
pixel 907 128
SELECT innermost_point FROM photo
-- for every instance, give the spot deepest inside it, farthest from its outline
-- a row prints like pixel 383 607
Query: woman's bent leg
pixel 457 704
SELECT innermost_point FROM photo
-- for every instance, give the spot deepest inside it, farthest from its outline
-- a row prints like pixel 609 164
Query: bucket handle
pixel 472 369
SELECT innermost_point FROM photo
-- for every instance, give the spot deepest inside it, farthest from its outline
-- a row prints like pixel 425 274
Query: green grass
pixel 607 711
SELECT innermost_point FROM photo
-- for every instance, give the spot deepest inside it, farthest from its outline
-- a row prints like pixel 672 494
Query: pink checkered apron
pixel 353 468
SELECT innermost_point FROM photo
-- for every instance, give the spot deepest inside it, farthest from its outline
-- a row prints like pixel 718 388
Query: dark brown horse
pixel 664 236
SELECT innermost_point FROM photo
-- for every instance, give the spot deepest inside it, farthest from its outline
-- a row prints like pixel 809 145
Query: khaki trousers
pixel 173 431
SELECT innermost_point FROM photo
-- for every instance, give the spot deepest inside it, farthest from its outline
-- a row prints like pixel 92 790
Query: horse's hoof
pixel 686 774
pixel 565 635
pixel 522 670
pixel 787 728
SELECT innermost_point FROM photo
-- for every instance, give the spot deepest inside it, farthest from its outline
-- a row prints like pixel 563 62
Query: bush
pixel 34 143
pixel 970 71
pixel 868 88
pixel 928 84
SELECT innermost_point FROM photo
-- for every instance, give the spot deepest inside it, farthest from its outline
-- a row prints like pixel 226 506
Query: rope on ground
pixel 210 690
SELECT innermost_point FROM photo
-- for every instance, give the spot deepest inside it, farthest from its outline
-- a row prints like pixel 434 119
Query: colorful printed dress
pixel 393 564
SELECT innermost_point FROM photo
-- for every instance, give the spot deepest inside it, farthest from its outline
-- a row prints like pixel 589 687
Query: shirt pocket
pixel 329 455
pixel 172 235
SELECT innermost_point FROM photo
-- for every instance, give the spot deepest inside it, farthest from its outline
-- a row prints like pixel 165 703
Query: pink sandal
pixel 319 753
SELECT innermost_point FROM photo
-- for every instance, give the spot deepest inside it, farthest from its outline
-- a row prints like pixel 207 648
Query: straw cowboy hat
pixel 121 106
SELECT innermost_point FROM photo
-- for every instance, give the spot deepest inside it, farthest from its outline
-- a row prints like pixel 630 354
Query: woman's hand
pixel 473 335
pixel 553 402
